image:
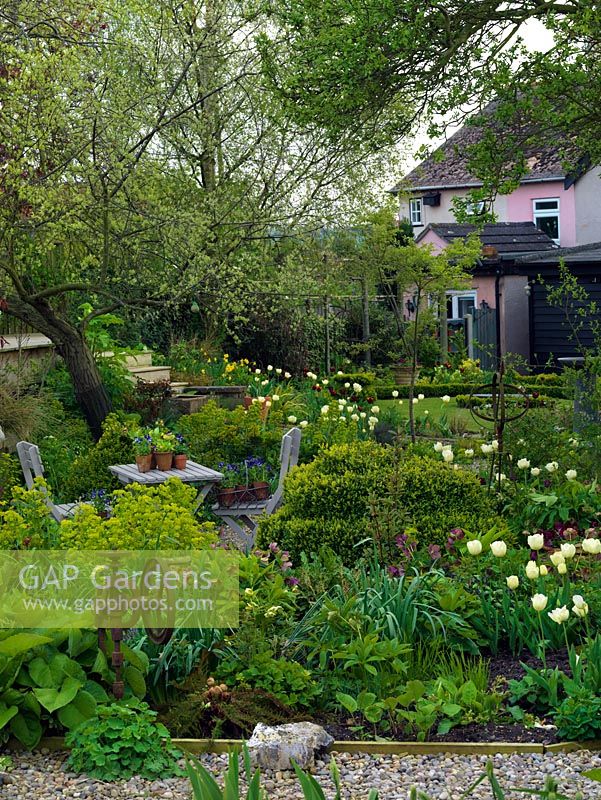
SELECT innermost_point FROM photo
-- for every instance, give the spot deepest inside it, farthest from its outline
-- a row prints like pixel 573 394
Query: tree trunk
pixel 90 393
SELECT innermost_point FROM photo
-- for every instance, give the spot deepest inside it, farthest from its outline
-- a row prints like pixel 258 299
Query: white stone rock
pixel 275 747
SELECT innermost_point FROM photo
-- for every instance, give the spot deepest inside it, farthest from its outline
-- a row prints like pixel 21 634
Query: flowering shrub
pixel 10 476
pixel 142 517
pixel 27 522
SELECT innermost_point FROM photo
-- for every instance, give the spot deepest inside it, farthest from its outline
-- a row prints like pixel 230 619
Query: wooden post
pixel 328 353
pixel 444 328
pixel 366 330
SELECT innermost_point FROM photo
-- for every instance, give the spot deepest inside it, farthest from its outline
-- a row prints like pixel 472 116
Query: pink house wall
pixel 520 207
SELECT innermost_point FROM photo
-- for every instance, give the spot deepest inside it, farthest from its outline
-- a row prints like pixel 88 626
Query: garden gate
pixel 482 344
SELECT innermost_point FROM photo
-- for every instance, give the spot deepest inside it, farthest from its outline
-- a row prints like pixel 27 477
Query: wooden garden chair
pixel 243 518
pixel 31 464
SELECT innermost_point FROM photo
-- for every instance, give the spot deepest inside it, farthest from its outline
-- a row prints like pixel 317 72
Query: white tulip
pixel 532 570
pixel 395 394
pixel 469 452
pixel 543 570
pixel 498 548
pixel 357 387
pixel 303 424
pixel 362 414
pixel 539 602
pixel 536 541
pixel 438 447
pixel 512 582
pixel 591 546
pixel 375 409
pixel 474 547
pixel 292 419
pixel 415 401
pixel 325 382
pixel 486 449
pixel 552 466
pixel 523 463
pixel 325 410
pixel 580 611
pixel 494 444
pixel 559 615
pixel 535 472
pixel 448 456
pixel 562 568
pixel 568 550
pixel 571 474
pixel 287 375
pixel 500 476
pixel 355 417
pixel 557 558
pixel 275 397
pixel 347 386
pixel 420 397
pixel 278 371
pixel 578 600
pixel 373 420
pixel 269 368
pixel 445 398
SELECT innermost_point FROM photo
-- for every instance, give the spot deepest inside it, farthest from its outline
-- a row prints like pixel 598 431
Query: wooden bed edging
pixel 55 743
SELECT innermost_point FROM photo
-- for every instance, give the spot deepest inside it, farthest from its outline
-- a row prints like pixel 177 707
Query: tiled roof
pixel 447 166
pixel 507 237
pixel 583 254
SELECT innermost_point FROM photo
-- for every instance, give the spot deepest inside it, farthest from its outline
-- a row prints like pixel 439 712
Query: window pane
pixel 465 305
pixel 548 225
pixel 546 205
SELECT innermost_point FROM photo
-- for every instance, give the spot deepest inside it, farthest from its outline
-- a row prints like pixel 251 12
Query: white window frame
pixel 545 213
pixel 454 297
pixel 416 211
pixel 476 208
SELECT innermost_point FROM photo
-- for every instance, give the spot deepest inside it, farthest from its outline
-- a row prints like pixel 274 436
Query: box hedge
pixel 327 501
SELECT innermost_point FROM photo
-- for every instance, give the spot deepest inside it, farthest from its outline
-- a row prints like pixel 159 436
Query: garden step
pixel 141 359
pixel 177 387
pixel 151 374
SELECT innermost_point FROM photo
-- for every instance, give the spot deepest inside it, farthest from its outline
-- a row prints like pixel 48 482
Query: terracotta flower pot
pixel 144 463
pixel 164 461
pixel 248 401
pixel 180 460
pixel 266 405
pixel 226 497
pixel 260 490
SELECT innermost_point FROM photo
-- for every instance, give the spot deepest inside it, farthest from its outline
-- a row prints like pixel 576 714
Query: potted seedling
pixel 258 477
pixel 142 446
pixel 163 442
pixel 227 493
pixel 180 452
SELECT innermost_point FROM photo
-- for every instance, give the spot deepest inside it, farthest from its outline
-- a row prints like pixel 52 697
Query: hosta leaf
pixel 53 699
pixel 7 715
pixel 27 729
pixel 21 642
pixel 79 710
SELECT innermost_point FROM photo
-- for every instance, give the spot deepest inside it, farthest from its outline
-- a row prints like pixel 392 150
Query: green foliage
pixel 90 471
pixel 287 680
pixel 217 435
pixel 578 718
pixel 10 476
pixel 120 741
pixel 27 522
pixel 438 498
pixel 52 678
pixel 142 518
pixel 327 501
pixel 445 703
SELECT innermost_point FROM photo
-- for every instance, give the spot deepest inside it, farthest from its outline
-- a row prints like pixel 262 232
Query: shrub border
pixel 220 746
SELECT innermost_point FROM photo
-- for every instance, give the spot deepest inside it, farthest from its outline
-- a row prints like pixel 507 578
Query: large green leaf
pixel 21 642
pixel 7 714
pixel 27 729
pixel 79 710
pixel 53 699
pixel 136 681
pixel 41 674
pixel 136 658
pixel 593 774
pixel 97 691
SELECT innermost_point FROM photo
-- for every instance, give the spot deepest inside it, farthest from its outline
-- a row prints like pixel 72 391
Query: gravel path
pixel 444 777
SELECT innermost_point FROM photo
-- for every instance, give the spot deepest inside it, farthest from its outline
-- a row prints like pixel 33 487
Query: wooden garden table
pixel 205 477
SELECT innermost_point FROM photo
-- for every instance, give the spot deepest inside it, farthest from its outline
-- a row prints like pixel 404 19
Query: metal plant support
pixel 498 413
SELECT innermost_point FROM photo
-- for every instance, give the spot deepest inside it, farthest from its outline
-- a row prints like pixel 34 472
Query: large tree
pixel 403 61
pixel 142 158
